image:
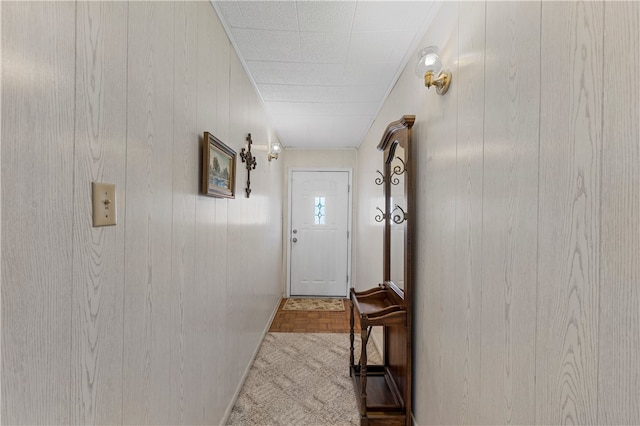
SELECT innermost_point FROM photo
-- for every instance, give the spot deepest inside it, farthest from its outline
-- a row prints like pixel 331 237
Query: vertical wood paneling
pixel 98 272
pixel 136 323
pixel 569 214
pixel 467 283
pixel 435 146
pixel 441 148
pixel 426 361
pixel 147 354
pixel 223 318
pixel 240 223
pixel 38 69
pixel 559 329
pixel 427 382
pixel 3 405
pixel 226 333
pixel 510 201
pixel 619 343
pixel 181 322
pixel 222 330
pixel 185 188
pixel 203 368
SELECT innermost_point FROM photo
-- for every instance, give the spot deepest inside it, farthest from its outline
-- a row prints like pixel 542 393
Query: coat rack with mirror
pixel 384 391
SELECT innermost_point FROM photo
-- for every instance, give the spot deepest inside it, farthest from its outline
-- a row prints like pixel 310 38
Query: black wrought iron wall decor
pixel 247 157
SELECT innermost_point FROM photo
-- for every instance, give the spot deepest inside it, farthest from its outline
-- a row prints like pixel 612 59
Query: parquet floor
pixel 311 321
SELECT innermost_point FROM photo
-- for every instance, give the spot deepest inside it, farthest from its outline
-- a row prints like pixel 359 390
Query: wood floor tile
pixel 311 321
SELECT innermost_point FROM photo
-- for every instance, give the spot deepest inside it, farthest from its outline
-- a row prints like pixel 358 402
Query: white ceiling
pixel 324 68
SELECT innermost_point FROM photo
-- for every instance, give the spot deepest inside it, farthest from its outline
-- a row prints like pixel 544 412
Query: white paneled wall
pixel 155 320
pixel 98 253
pixel 570 185
pixel 528 235
pixel 618 337
pixel 37 217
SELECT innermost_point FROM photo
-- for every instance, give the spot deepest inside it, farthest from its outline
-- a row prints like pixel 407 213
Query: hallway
pixel 527 237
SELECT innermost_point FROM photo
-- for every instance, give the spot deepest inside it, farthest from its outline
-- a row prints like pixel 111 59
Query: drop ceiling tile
pixel 368 74
pixel 296 73
pixel 286 93
pixel 321 108
pixel 231 13
pixel 372 47
pixel 268 45
pixel 324 47
pixel 390 15
pixel 290 130
pixel 286 108
pixel 285 122
pixel 322 132
pixel 342 131
pixel 269 15
pixel 340 122
pixel 344 108
pixel 325 15
pixel 323 68
pixel 399 51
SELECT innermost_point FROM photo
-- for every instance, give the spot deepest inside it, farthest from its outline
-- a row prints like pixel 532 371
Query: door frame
pixel 349 219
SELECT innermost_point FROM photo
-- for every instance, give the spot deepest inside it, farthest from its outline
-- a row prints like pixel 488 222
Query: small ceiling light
pixel 429 64
pixel 274 150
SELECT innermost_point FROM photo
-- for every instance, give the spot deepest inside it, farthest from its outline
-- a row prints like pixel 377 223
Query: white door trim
pixel 349 219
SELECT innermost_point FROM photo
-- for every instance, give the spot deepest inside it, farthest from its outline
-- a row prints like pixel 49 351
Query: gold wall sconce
pixel 274 150
pixel 430 65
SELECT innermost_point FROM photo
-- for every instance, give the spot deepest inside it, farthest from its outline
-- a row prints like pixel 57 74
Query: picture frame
pixel 218 168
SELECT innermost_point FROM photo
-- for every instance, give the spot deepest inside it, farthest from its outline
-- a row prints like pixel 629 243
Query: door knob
pixel 295 240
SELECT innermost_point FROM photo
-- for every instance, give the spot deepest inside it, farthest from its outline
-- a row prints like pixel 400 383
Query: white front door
pixel 318 236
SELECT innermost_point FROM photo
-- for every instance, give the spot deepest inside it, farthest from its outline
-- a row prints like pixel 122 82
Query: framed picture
pixel 218 168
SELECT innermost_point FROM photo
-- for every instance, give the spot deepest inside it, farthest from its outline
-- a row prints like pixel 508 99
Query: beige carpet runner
pixel 300 379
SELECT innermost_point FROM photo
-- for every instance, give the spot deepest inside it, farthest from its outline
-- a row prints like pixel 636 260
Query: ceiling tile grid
pixel 324 68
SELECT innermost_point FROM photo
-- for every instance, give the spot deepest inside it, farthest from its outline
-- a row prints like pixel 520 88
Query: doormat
pixel 313 305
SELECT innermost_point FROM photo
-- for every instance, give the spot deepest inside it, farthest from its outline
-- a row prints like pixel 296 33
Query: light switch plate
pixel 104 203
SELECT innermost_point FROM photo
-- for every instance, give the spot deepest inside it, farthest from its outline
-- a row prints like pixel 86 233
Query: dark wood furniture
pixel 384 391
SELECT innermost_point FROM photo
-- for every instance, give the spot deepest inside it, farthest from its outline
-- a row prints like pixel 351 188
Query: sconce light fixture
pixel 430 65
pixel 274 150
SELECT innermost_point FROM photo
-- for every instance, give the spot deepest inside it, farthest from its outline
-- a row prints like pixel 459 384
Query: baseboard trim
pixel 227 412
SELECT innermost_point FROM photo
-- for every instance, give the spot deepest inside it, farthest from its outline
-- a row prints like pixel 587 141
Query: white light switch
pixel 104 203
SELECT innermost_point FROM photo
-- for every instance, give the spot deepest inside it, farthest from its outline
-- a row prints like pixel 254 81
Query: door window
pixel 319 211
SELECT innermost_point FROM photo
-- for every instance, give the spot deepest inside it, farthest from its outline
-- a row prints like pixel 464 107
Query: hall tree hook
pixel 247 157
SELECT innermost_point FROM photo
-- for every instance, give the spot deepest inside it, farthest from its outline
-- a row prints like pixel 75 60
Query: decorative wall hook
pixel 381 216
pixel 379 180
pixel 398 170
pixel 247 157
pixel 398 217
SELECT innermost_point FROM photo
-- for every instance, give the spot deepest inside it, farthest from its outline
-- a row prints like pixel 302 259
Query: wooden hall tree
pixel 384 391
